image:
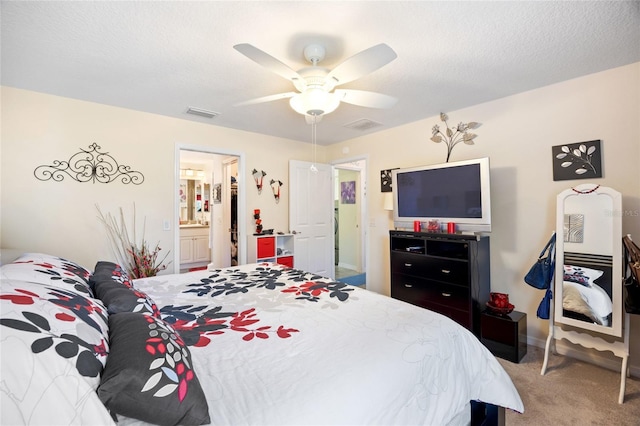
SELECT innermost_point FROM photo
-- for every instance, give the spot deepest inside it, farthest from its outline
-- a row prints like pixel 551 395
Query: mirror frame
pixel 592 190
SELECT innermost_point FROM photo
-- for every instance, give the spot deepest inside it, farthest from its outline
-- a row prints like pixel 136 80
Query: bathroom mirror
pixel 195 200
pixel 588 274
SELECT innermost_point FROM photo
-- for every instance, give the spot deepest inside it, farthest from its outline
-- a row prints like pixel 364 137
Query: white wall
pixel 517 133
pixel 60 217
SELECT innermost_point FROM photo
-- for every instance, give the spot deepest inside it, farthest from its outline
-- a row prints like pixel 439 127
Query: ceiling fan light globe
pixel 314 102
pixel 314 53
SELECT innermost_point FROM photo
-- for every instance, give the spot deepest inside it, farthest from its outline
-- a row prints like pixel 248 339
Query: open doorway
pixel 349 219
pixel 209 209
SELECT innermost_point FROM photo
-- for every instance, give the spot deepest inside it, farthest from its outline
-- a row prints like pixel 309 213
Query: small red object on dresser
pixel 499 303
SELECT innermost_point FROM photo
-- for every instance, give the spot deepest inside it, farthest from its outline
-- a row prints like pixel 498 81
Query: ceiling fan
pixel 315 85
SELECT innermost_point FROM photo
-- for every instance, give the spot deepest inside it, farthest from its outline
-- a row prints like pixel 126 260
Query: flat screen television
pixel 458 192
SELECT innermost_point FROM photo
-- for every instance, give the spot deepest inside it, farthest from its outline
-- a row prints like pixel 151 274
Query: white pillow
pixel 54 345
pixel 592 301
pixel 49 270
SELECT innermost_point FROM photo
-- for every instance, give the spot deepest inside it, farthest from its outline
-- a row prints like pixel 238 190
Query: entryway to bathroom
pixel 207 205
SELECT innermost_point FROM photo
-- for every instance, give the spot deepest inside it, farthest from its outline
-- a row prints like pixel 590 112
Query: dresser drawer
pixel 450 271
pixel 409 263
pixel 420 291
pixel 446 270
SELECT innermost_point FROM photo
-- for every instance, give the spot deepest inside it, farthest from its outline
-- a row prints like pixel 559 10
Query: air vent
pixel 363 124
pixel 202 112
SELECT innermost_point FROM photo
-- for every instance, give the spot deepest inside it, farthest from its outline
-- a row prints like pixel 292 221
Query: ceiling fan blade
pixel 362 63
pixel 267 98
pixel 267 61
pixel 365 98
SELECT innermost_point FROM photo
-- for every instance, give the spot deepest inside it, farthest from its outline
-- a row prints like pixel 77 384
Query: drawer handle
pixel 408 285
pixel 446 294
pixel 408 265
pixel 446 271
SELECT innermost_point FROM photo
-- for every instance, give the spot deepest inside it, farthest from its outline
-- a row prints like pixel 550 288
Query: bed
pixel 586 288
pixel 252 344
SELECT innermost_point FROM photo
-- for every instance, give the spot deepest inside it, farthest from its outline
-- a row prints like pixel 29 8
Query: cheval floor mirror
pixel 588 296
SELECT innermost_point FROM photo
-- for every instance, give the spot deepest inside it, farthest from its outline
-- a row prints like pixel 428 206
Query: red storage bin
pixel 286 261
pixel 266 247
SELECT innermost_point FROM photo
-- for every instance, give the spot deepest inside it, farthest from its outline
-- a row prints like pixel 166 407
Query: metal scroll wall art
pixel 90 165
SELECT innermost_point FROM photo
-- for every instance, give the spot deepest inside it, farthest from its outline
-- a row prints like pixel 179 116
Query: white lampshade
pixel 314 101
pixel 388 200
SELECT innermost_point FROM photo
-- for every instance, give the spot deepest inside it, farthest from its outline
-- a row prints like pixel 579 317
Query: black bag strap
pixel 632 247
pixel 550 245
pixel 632 260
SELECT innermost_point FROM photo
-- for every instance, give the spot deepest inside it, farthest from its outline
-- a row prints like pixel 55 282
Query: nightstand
pixel 505 335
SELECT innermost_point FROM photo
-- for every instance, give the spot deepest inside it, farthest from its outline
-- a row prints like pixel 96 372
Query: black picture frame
pixel 385 180
pixel 580 160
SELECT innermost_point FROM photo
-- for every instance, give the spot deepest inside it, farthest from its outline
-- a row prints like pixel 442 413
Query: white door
pixel 311 216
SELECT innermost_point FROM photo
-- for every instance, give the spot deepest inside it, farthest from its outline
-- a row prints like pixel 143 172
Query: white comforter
pixel 273 348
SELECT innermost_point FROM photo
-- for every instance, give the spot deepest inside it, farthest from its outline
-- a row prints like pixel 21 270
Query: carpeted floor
pixel 572 392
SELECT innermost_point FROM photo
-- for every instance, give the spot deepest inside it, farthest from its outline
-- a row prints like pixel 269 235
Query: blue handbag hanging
pixel 544 309
pixel 541 273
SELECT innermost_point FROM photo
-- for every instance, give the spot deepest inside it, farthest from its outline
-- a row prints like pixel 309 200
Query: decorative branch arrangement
pixel 89 166
pixel 454 136
pixel 139 261
pixel 258 176
pixel 275 186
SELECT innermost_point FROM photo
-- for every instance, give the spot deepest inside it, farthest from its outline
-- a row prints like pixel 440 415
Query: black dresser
pixel 446 273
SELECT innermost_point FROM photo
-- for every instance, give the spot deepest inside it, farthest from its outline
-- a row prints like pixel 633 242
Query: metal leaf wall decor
pixel 89 165
pixel 581 160
pixel 453 136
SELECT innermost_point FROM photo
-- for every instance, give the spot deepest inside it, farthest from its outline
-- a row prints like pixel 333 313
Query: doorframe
pixel 226 197
pixel 364 230
pixel 242 204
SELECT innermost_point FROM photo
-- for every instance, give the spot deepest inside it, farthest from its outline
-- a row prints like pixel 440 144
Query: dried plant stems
pixel 138 261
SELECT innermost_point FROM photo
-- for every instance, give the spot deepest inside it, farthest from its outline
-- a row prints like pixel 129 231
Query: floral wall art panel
pixel 348 192
pixel 582 160
pixel 385 180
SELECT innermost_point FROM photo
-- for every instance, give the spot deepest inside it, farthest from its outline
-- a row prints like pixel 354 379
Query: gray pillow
pixel 149 373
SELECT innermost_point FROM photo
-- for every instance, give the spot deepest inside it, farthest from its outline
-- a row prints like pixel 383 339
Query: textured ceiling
pixel 164 56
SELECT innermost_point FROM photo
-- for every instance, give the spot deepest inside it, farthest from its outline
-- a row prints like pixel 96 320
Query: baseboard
pixel 587 355
pixel 347 266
